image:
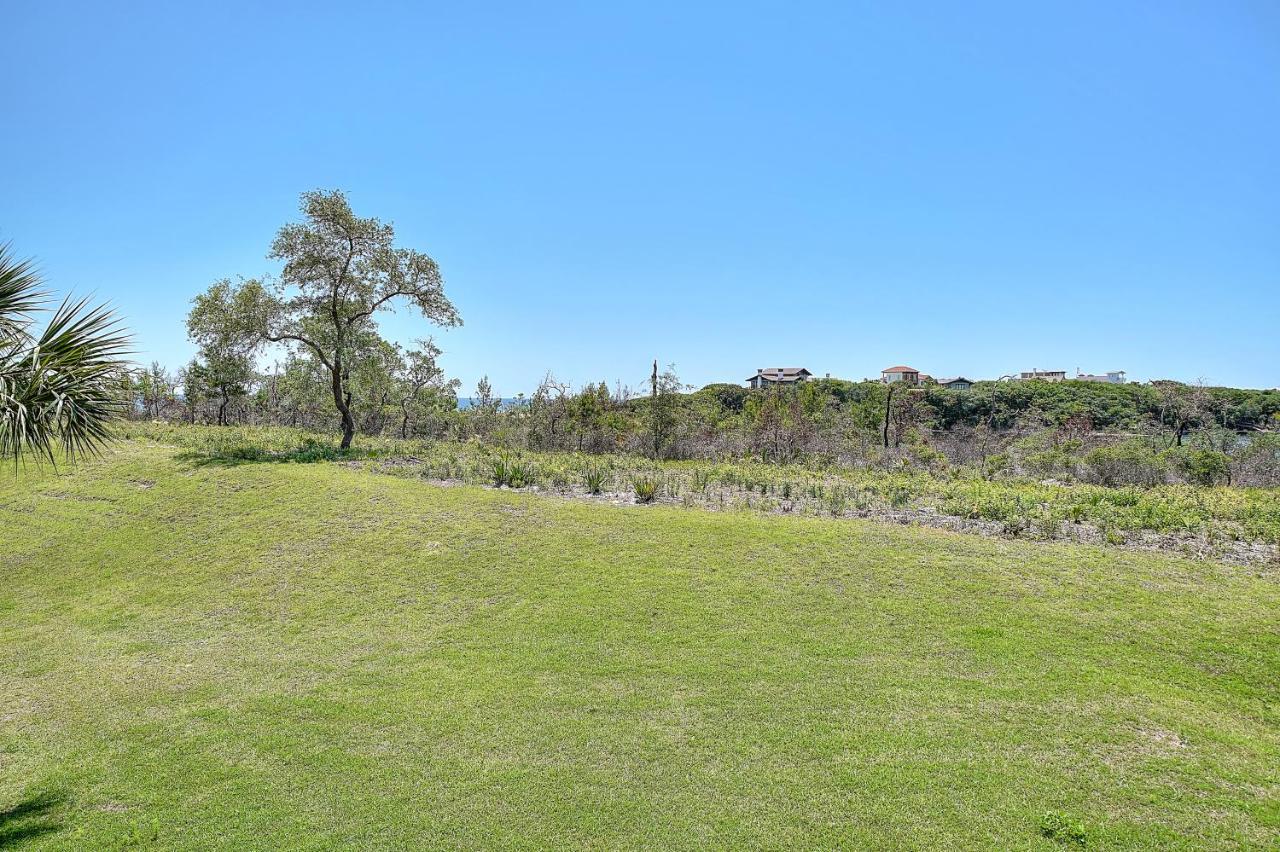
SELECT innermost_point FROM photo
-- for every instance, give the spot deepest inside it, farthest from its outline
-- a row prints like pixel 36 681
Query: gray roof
pixel 784 373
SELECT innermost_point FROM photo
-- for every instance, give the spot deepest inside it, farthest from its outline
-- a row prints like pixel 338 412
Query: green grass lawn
pixel 309 655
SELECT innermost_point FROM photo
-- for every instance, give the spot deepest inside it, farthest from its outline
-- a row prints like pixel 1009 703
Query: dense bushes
pixel 1128 463
pixel 1199 466
pixel 1257 462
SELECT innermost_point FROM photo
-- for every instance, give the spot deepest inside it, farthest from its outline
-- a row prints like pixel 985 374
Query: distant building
pixel 774 376
pixel 1044 375
pixel 906 375
pixel 956 383
pixel 1115 377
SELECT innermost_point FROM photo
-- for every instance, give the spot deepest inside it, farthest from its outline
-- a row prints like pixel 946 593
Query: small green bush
pixel 645 486
pixel 522 474
pixel 1053 463
pixel 1057 826
pixel 995 466
pixel 593 477
pixel 313 450
pixel 1200 467
pixel 501 471
pixel 1129 463
pixel 513 472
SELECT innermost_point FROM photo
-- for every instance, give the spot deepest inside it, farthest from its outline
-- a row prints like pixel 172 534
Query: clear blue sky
pixel 963 188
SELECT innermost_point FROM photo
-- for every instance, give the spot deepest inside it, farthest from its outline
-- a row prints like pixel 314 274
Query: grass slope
pixel 266 655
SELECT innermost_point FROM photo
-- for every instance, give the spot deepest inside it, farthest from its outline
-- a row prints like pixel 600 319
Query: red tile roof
pixel 899 370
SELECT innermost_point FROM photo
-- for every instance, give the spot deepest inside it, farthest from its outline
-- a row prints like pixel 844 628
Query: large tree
pixel 339 272
pixel 60 387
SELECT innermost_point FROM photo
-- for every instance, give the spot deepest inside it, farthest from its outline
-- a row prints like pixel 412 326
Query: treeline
pixel 1111 434
pixel 1017 404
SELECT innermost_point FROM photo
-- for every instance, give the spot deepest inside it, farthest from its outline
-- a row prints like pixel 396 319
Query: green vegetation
pixel 1021 507
pixel 340 272
pixel 645 487
pixel 202 652
pixel 59 387
pixel 1170 433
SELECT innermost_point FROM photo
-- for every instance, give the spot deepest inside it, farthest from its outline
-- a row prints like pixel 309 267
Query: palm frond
pixel 20 294
pixel 57 389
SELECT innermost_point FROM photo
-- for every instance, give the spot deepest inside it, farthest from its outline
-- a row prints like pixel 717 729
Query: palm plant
pixel 645 486
pixel 594 477
pixel 58 389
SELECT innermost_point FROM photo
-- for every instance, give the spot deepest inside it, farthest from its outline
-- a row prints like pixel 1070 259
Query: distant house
pixel 1044 375
pixel 906 375
pixel 767 377
pixel 956 383
pixel 1114 377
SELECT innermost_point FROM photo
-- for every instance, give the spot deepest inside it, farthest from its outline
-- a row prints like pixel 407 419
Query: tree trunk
pixel 888 403
pixel 653 409
pixel 342 400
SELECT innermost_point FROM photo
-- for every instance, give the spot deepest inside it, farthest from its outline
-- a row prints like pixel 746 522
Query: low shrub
pixel 1053 463
pixel 899 497
pixel 993 467
pixel 522 474
pixel 593 477
pixel 1058 826
pixel 1257 463
pixel 501 471
pixel 513 472
pixel 1200 467
pixel 645 487
pixel 313 450
pixel 1129 463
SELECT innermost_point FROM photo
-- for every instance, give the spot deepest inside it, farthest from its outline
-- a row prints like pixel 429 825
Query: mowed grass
pixel 270 655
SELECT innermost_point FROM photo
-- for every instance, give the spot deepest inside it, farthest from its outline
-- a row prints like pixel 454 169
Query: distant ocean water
pixel 465 402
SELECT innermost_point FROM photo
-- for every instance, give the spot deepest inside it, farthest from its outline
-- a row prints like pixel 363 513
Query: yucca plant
pixel 513 472
pixel 646 488
pixel 58 387
pixel 594 478
pixel 502 471
pixel 521 473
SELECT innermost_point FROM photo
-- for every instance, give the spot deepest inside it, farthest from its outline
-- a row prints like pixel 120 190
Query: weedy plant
pixel 593 477
pixel 523 473
pixel 645 487
pixel 513 472
pixel 1063 829
pixel 502 471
